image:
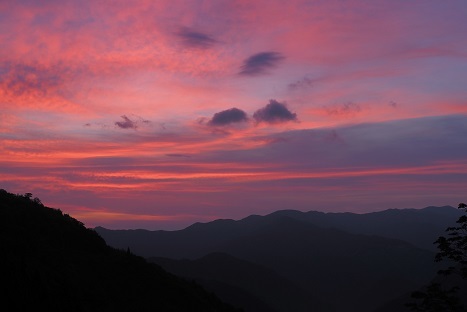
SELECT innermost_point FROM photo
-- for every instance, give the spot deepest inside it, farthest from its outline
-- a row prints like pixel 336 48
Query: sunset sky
pixel 158 114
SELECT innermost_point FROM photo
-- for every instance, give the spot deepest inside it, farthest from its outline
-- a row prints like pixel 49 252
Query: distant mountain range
pixel 329 261
pixel 50 262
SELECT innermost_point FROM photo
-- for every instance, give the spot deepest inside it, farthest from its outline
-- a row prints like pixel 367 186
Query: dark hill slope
pixel 216 270
pixel 50 261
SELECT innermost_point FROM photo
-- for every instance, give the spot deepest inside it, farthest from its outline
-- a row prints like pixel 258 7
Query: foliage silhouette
pixel 447 292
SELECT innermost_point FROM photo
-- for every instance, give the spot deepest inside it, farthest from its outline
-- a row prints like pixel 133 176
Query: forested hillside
pixel 51 262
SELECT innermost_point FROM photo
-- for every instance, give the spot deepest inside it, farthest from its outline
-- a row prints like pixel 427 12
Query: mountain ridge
pixel 421 227
pixel 324 260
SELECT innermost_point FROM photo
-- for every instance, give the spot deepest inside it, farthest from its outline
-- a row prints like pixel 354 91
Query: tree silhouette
pixel 454 247
pixel 447 296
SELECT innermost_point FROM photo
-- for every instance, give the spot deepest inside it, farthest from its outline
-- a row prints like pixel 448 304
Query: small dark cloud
pixel 132 123
pixel 229 116
pixel 127 123
pixel 194 39
pixel 349 108
pixel 274 112
pixel 393 104
pixel 260 63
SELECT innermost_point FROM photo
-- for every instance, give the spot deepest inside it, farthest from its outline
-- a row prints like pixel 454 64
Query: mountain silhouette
pixel 362 270
pixel 420 227
pixel 215 271
pixel 51 262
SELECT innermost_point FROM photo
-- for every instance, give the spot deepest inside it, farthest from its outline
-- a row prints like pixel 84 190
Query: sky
pixel 158 114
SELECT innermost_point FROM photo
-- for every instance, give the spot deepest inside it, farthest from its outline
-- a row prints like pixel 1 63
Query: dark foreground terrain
pixel 285 261
pixel 50 262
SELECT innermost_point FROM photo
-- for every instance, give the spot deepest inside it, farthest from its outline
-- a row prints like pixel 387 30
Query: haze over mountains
pixel 334 261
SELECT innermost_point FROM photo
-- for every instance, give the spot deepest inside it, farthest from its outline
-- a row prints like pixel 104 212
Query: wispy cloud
pixel 194 39
pixel 345 109
pixel 302 83
pixel 260 63
pixel 178 155
pixel 33 84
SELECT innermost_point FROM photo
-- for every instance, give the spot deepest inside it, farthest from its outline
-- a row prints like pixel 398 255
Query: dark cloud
pixel 127 123
pixel 259 63
pixel 274 112
pixel 349 108
pixel 132 123
pixel 229 116
pixel 194 39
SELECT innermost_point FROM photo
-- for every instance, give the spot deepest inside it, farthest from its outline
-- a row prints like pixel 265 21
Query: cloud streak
pixel 372 157
pixel 195 39
pixel 303 83
pixel 345 109
pixel 260 63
